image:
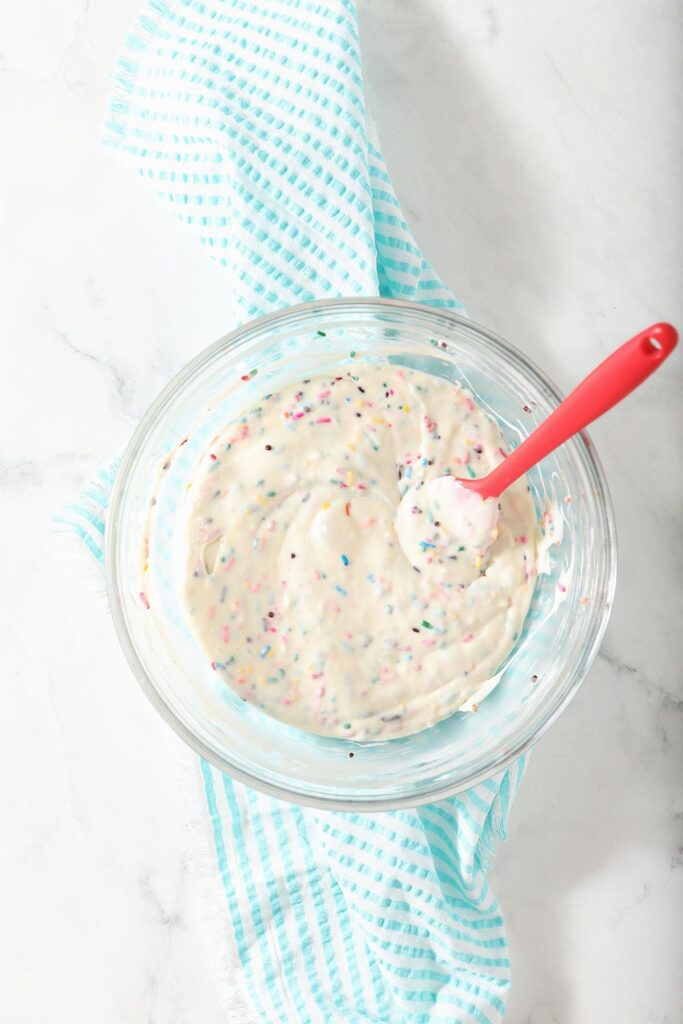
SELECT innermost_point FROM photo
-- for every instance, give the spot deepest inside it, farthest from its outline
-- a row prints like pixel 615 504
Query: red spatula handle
pixel 608 384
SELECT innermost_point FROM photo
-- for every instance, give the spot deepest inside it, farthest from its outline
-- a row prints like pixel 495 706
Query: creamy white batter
pixel 317 593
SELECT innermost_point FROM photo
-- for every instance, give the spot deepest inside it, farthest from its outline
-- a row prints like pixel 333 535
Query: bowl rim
pixel 439 790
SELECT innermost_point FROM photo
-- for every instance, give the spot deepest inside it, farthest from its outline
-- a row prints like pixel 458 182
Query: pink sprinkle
pixel 229 564
pixel 349 636
pixel 429 643
pixel 143 598
pixel 316 675
pixel 323 419
pixel 324 394
pixel 321 691
pixel 501 452
pixel 561 587
pixel 466 639
pixel 298 415
pixel 214 458
pixel 224 633
pixel 468 403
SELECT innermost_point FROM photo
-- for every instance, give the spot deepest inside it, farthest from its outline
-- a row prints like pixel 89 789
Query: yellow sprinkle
pixel 478 562
pixel 187 486
pixel 378 419
pixel 350 478
pixel 406 408
pixel 326 504
pixel 145 567
pixel 351 447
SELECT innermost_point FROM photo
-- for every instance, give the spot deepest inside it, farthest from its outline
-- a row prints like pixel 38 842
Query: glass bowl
pixel 569 609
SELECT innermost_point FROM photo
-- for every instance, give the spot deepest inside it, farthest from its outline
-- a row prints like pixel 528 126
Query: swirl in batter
pixel 321 596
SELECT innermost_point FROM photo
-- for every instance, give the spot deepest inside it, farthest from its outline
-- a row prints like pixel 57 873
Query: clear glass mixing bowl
pixel 569 611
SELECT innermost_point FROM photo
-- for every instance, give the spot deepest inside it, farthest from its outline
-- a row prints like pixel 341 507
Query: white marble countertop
pixel 536 148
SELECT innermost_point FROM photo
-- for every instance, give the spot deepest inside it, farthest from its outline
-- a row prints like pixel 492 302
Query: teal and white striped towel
pixel 249 118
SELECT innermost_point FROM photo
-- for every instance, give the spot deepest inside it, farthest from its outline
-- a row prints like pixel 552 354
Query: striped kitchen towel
pixel 249 118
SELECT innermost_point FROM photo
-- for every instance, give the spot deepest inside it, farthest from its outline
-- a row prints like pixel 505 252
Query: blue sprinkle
pixel 264 650
pixel 424 544
pixel 409 472
pixel 345 559
pixel 340 590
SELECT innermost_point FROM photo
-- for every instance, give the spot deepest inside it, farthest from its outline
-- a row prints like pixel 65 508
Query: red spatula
pixel 609 383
